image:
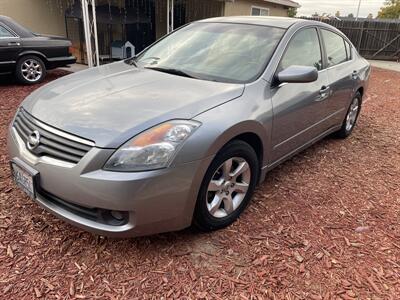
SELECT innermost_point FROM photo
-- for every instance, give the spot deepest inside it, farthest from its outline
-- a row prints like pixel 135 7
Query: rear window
pixel 4 33
pixel 335 47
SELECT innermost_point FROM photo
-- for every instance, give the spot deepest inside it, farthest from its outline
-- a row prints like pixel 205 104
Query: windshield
pixel 214 51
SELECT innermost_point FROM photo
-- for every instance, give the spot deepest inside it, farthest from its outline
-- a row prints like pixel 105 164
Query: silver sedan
pixel 181 134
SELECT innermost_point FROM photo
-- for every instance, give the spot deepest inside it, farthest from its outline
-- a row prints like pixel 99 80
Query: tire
pixel 30 69
pixel 351 116
pixel 208 215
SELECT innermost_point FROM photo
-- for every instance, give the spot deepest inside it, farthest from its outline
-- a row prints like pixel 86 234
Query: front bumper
pixel 154 201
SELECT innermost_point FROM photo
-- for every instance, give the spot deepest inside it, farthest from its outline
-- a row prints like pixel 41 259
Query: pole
pixel 358 9
pixel 172 15
pixel 96 42
pixel 167 16
pixel 85 17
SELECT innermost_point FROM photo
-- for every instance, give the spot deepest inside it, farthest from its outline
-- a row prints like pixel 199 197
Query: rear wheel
pixel 30 70
pixel 351 118
pixel 227 187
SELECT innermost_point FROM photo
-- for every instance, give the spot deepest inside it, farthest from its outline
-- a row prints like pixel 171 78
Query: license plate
pixel 24 178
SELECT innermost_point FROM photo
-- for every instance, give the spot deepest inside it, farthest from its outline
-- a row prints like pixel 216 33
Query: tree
pixel 370 16
pixel 292 12
pixel 350 15
pixel 315 15
pixel 337 14
pixel 391 10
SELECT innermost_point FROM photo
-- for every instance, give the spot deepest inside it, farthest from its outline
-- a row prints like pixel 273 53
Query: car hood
pixel 113 103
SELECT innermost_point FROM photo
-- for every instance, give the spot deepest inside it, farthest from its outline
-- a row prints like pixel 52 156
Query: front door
pixel 10 46
pixel 299 108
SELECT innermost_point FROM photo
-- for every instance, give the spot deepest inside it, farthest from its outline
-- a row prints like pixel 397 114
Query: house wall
pixel 41 16
pixel 243 8
pixel 193 10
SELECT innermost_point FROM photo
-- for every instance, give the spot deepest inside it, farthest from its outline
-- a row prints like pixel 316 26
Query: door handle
pixel 324 93
pixel 14 44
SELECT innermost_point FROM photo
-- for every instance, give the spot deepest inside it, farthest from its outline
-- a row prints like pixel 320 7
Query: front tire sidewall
pixel 18 71
pixel 202 219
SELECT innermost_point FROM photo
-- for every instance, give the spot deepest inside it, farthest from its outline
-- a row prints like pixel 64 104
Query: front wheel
pixel 30 70
pixel 227 187
pixel 351 118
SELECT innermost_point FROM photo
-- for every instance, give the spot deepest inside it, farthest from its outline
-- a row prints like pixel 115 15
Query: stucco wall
pixel 41 16
pixel 243 8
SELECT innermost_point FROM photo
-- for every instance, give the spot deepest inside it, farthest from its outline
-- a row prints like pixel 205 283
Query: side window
pixel 348 50
pixel 4 33
pixel 335 47
pixel 304 50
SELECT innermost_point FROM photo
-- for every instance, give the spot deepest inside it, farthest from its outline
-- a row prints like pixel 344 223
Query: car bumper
pixel 61 61
pixel 152 202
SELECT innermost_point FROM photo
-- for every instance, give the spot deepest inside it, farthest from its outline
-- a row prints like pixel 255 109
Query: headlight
pixel 153 148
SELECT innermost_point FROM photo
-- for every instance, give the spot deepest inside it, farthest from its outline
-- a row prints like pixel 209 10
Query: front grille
pixel 52 143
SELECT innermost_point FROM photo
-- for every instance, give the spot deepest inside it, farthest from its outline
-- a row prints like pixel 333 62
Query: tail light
pixel 70 49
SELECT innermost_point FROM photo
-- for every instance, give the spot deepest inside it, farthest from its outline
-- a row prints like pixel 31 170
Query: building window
pixel 259 11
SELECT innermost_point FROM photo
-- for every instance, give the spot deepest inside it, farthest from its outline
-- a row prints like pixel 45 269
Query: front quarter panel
pixel 250 113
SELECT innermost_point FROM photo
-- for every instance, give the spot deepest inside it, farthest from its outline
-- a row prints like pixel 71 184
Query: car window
pixel 4 33
pixel 348 50
pixel 335 47
pixel 303 50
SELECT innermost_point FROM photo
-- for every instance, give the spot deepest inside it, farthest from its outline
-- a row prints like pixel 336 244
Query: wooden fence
pixel 374 39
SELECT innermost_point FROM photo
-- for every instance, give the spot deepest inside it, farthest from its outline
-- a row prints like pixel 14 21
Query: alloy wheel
pixel 228 187
pixel 352 115
pixel 31 70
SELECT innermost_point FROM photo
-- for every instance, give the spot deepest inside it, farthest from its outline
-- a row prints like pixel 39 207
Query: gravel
pixel 323 225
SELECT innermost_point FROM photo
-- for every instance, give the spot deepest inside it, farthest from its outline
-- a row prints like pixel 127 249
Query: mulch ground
pixel 324 225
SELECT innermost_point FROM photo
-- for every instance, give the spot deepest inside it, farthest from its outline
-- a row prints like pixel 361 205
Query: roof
pixel 16 27
pixel 289 3
pixel 281 22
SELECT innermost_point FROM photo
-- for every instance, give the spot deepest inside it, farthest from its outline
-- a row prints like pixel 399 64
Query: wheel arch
pixel 34 53
pixel 251 132
pixel 361 91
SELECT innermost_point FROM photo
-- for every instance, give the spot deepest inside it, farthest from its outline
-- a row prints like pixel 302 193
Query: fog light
pixel 117 215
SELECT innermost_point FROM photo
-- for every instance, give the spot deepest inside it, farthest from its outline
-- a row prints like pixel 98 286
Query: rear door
pixel 341 72
pixel 300 108
pixel 10 46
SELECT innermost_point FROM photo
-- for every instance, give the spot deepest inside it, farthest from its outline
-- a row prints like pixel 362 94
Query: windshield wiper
pixel 132 61
pixel 172 71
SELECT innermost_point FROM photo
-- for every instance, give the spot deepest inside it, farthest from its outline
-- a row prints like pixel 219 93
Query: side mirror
pixel 298 74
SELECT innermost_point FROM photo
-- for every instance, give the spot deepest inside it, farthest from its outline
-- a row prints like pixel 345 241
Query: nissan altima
pixel 182 133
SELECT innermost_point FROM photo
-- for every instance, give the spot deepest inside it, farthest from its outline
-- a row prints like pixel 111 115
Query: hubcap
pixel 352 114
pixel 228 187
pixel 31 70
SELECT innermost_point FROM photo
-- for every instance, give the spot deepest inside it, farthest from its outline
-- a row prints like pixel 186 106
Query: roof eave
pixel 285 3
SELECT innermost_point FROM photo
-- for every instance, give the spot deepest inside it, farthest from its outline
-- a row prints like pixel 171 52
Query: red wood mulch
pixel 323 225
